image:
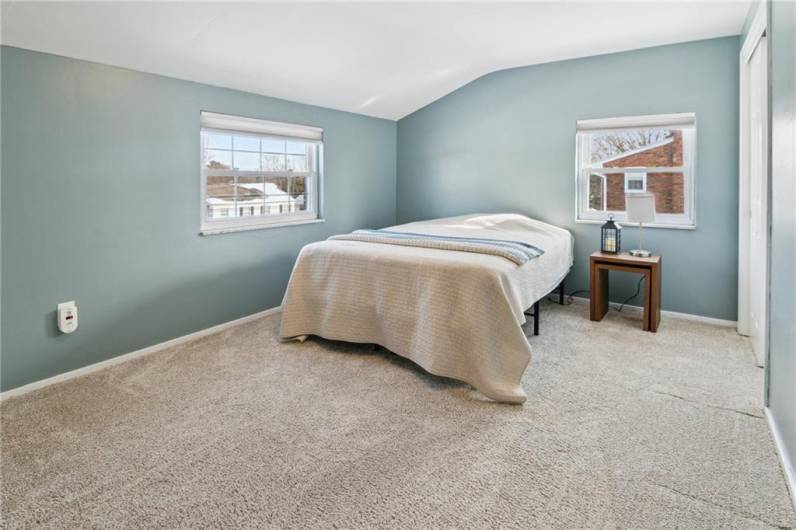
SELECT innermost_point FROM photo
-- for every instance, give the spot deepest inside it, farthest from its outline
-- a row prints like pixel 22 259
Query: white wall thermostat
pixel 67 317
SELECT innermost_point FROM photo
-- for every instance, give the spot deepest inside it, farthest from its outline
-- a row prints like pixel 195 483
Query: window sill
pixel 212 231
pixel 646 225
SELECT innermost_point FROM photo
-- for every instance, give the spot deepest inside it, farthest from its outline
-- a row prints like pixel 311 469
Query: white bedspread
pixel 456 314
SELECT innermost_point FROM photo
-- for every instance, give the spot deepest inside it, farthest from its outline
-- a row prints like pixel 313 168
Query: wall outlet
pixel 67 317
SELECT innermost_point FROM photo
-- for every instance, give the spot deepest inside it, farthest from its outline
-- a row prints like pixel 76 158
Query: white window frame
pixel 604 187
pixel 228 124
pixel 584 167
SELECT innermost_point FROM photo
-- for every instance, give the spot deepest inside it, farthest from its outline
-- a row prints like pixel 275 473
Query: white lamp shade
pixel 640 207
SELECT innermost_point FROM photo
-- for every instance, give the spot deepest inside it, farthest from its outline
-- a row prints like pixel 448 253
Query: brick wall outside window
pixel 668 188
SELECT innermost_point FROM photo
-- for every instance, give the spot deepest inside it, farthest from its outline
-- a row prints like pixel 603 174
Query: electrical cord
pixel 638 290
pixel 570 296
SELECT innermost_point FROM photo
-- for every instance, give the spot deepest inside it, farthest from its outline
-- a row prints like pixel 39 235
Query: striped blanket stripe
pixel 515 251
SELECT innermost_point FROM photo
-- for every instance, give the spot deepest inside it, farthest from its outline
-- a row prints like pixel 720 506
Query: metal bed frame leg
pixel 534 311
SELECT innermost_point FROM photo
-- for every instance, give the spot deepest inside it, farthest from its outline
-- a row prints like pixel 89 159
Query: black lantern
pixel 610 235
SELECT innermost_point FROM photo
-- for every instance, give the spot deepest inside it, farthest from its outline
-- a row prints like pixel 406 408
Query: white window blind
pixel 226 122
pixel 685 119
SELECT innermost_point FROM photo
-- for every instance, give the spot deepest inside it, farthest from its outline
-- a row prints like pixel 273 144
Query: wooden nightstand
pixel 600 264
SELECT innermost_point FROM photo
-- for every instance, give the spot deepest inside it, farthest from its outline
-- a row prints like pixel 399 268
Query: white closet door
pixel 758 200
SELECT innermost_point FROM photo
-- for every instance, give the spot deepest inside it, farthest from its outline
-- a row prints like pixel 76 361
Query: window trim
pixel 231 229
pixel 685 121
pixel 227 124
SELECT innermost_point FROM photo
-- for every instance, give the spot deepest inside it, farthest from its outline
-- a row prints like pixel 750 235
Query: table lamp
pixel 640 209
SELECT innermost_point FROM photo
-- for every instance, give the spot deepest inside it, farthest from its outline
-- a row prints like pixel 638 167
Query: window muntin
pixel 653 154
pixel 253 174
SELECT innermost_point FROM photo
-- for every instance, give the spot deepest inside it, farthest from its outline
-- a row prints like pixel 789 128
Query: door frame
pixel 757 30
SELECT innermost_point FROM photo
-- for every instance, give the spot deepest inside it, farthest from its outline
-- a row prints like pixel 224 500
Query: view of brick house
pixel 607 190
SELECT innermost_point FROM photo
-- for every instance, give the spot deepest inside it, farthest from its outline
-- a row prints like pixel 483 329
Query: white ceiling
pixel 379 59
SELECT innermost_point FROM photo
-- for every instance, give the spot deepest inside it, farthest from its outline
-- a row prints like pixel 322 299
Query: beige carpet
pixel 621 429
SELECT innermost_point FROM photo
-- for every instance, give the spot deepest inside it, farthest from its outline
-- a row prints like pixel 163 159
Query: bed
pixel 454 310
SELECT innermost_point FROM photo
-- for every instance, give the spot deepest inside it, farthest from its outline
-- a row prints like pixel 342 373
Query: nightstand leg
pixel 647 318
pixel 599 292
pixel 655 298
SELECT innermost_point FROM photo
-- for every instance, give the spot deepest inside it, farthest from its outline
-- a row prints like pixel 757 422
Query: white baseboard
pixel 134 355
pixel 220 327
pixel 673 314
pixel 784 459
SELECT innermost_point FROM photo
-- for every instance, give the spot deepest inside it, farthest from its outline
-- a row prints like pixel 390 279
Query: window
pixel 652 154
pixel 635 182
pixel 258 173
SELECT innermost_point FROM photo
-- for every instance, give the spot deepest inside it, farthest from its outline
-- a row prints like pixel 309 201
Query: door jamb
pixel 756 31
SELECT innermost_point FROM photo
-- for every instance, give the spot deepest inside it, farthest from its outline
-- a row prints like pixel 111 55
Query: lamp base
pixel 639 253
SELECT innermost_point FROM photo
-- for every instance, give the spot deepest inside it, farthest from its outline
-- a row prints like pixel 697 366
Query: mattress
pixel 456 314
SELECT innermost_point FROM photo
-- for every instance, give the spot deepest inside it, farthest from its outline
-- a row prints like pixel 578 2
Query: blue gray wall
pixel 782 355
pixel 100 189
pixel 100 204
pixel 506 142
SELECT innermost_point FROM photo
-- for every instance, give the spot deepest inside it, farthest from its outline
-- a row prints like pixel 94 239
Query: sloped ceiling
pixel 379 59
